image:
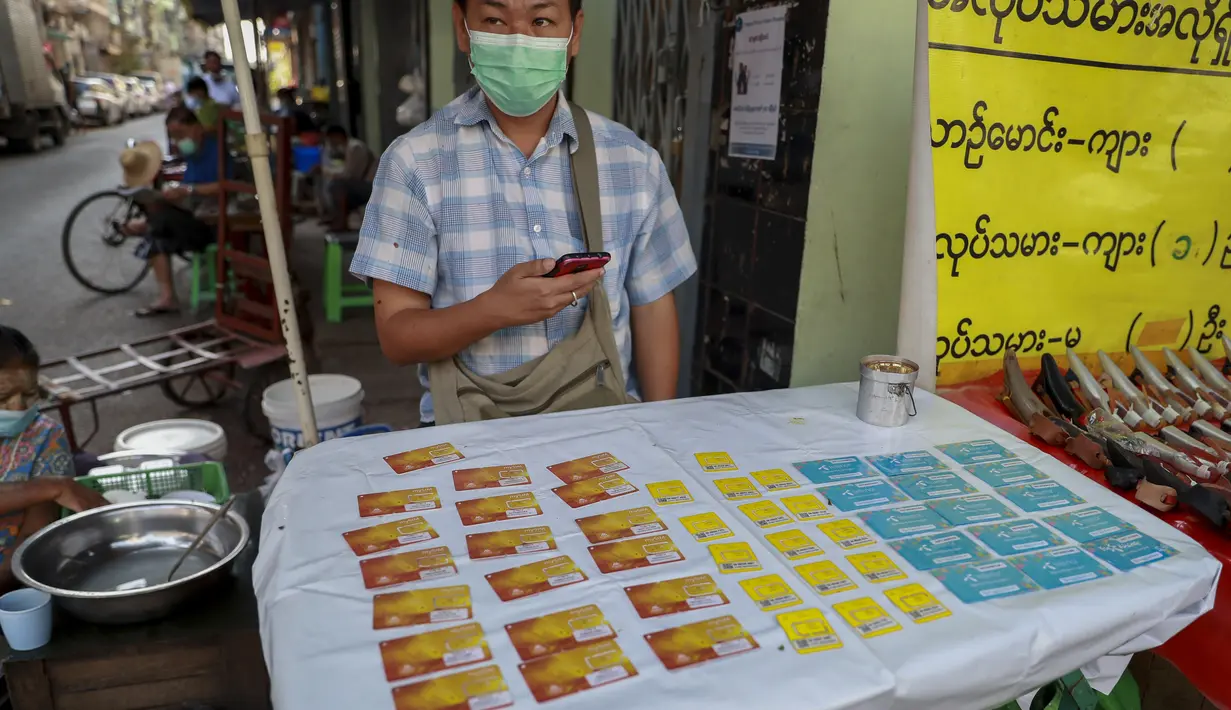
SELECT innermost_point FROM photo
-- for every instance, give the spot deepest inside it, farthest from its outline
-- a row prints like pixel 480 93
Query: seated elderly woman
pixel 36 466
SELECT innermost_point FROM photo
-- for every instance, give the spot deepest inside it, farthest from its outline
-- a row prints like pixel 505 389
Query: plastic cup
pixel 25 618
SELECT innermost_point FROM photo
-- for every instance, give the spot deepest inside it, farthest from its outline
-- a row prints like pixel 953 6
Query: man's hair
pixel 16 350
pixel 196 83
pixel 574 5
pixel 211 53
pixel 183 116
pixel 336 130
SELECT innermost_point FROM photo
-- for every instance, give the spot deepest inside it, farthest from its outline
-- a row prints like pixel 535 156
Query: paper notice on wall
pixel 756 70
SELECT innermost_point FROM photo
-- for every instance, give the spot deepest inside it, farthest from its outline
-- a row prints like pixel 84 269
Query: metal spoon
pixel 222 510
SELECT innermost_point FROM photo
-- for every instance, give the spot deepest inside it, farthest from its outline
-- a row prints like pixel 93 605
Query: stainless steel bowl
pixel 109 565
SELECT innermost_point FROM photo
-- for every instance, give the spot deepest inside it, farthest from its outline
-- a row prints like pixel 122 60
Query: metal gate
pixel 652 55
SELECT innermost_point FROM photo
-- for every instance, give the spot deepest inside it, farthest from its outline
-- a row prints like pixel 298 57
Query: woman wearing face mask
pixel 471 208
pixel 35 461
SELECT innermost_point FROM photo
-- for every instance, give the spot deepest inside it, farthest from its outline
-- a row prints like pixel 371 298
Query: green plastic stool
pixel 337 294
pixel 204 277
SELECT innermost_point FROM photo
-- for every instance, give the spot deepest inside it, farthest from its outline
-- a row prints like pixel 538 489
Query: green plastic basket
pixel 209 477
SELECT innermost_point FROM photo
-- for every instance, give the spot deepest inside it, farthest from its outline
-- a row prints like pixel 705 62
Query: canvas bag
pixel 581 372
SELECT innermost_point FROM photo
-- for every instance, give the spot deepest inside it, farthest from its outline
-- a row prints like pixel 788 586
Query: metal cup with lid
pixel 886 390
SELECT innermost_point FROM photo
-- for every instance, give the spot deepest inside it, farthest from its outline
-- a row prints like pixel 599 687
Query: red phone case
pixel 578 263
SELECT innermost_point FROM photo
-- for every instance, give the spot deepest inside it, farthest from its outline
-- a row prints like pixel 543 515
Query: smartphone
pixel 578 263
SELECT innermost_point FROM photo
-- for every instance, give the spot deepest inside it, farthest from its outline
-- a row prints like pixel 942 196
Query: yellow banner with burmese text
pixel 1082 166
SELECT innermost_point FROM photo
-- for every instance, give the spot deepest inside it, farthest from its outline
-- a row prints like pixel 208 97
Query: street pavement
pixel 39 297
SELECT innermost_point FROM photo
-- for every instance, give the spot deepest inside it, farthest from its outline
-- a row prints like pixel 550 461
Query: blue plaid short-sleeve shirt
pixel 456 204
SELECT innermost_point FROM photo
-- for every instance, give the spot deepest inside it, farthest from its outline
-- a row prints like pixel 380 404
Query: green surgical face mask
pixel 518 73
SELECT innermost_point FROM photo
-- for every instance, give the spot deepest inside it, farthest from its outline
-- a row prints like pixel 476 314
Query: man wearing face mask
pixel 170 226
pixel 35 461
pixel 471 209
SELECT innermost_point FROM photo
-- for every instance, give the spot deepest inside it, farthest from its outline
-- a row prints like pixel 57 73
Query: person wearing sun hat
pixel 170 226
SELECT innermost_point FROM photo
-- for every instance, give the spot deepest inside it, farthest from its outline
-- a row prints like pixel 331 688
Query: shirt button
pixel 538 228
pixel 526 172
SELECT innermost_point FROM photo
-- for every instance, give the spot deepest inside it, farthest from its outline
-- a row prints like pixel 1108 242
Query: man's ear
pixel 459 29
pixel 579 22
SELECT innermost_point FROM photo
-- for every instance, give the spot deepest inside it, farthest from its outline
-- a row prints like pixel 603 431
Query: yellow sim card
pixel 876 567
pixel 765 514
pixel 807 507
pixel 716 462
pixel 867 617
pixel 809 631
pixel 917 603
pixel 706 527
pixel 825 577
pixel 670 492
pixel 434 651
pixel 737 488
pixel 770 593
pixel 421 606
pixel 561 631
pixel 479 689
pixel 620 524
pixel 794 544
pixel 735 557
pixel 846 534
pixel 775 479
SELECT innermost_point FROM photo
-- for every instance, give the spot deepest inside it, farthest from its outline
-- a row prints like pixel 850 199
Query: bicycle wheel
pixel 97 252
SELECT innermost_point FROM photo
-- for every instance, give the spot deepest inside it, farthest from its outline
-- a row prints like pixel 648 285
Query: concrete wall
pixel 441 47
pixel 594 68
pixel 852 265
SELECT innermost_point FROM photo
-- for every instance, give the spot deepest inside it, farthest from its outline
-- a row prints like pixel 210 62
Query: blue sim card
pixel 929 486
pixel 1009 472
pixel 862 494
pixel 902 522
pixel 847 468
pixel 1089 524
pixel 933 551
pixel 972 509
pixel 972 452
pixel 907 463
pixel 1130 550
pixel 1016 536
pixel 981 581
pixel 1041 495
pixel 1061 567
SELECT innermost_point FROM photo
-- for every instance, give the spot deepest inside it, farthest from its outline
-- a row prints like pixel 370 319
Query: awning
pixel 210 11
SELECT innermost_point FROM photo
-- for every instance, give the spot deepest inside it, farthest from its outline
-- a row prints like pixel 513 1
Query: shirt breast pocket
pixel 477 244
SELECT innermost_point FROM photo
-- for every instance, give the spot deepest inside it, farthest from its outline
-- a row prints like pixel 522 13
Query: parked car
pixel 143 102
pixel 97 102
pixel 122 90
pixel 156 88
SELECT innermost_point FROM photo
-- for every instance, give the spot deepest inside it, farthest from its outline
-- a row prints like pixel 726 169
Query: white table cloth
pixel 316 615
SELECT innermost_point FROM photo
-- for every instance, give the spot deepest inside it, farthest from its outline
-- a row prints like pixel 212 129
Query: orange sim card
pixel 429 456
pixel 502 543
pixel 561 631
pixel 624 555
pixel 434 651
pixel 413 566
pixel 675 595
pixel 701 641
pixel 407 501
pixel 578 669
pixel 473 479
pixel 387 536
pixel 421 606
pixel 473 689
pixel 594 490
pixel 621 524
pixel 587 467
pixel 507 507
pixel 535 577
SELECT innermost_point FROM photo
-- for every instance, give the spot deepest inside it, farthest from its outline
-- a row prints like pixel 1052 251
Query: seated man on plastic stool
pixel 171 225
pixel 348 167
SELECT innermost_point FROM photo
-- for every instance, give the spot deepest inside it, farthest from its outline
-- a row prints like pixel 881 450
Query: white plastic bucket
pixel 25 618
pixel 176 436
pixel 337 400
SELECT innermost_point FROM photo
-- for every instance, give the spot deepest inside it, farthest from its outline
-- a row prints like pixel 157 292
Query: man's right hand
pixel 522 296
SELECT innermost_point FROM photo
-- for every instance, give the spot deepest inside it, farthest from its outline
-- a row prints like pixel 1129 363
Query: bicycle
pixel 106 248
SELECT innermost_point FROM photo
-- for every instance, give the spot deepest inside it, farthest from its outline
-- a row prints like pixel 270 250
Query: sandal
pixel 154 311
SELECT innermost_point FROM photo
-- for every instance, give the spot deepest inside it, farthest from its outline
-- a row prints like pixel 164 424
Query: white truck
pixel 32 99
